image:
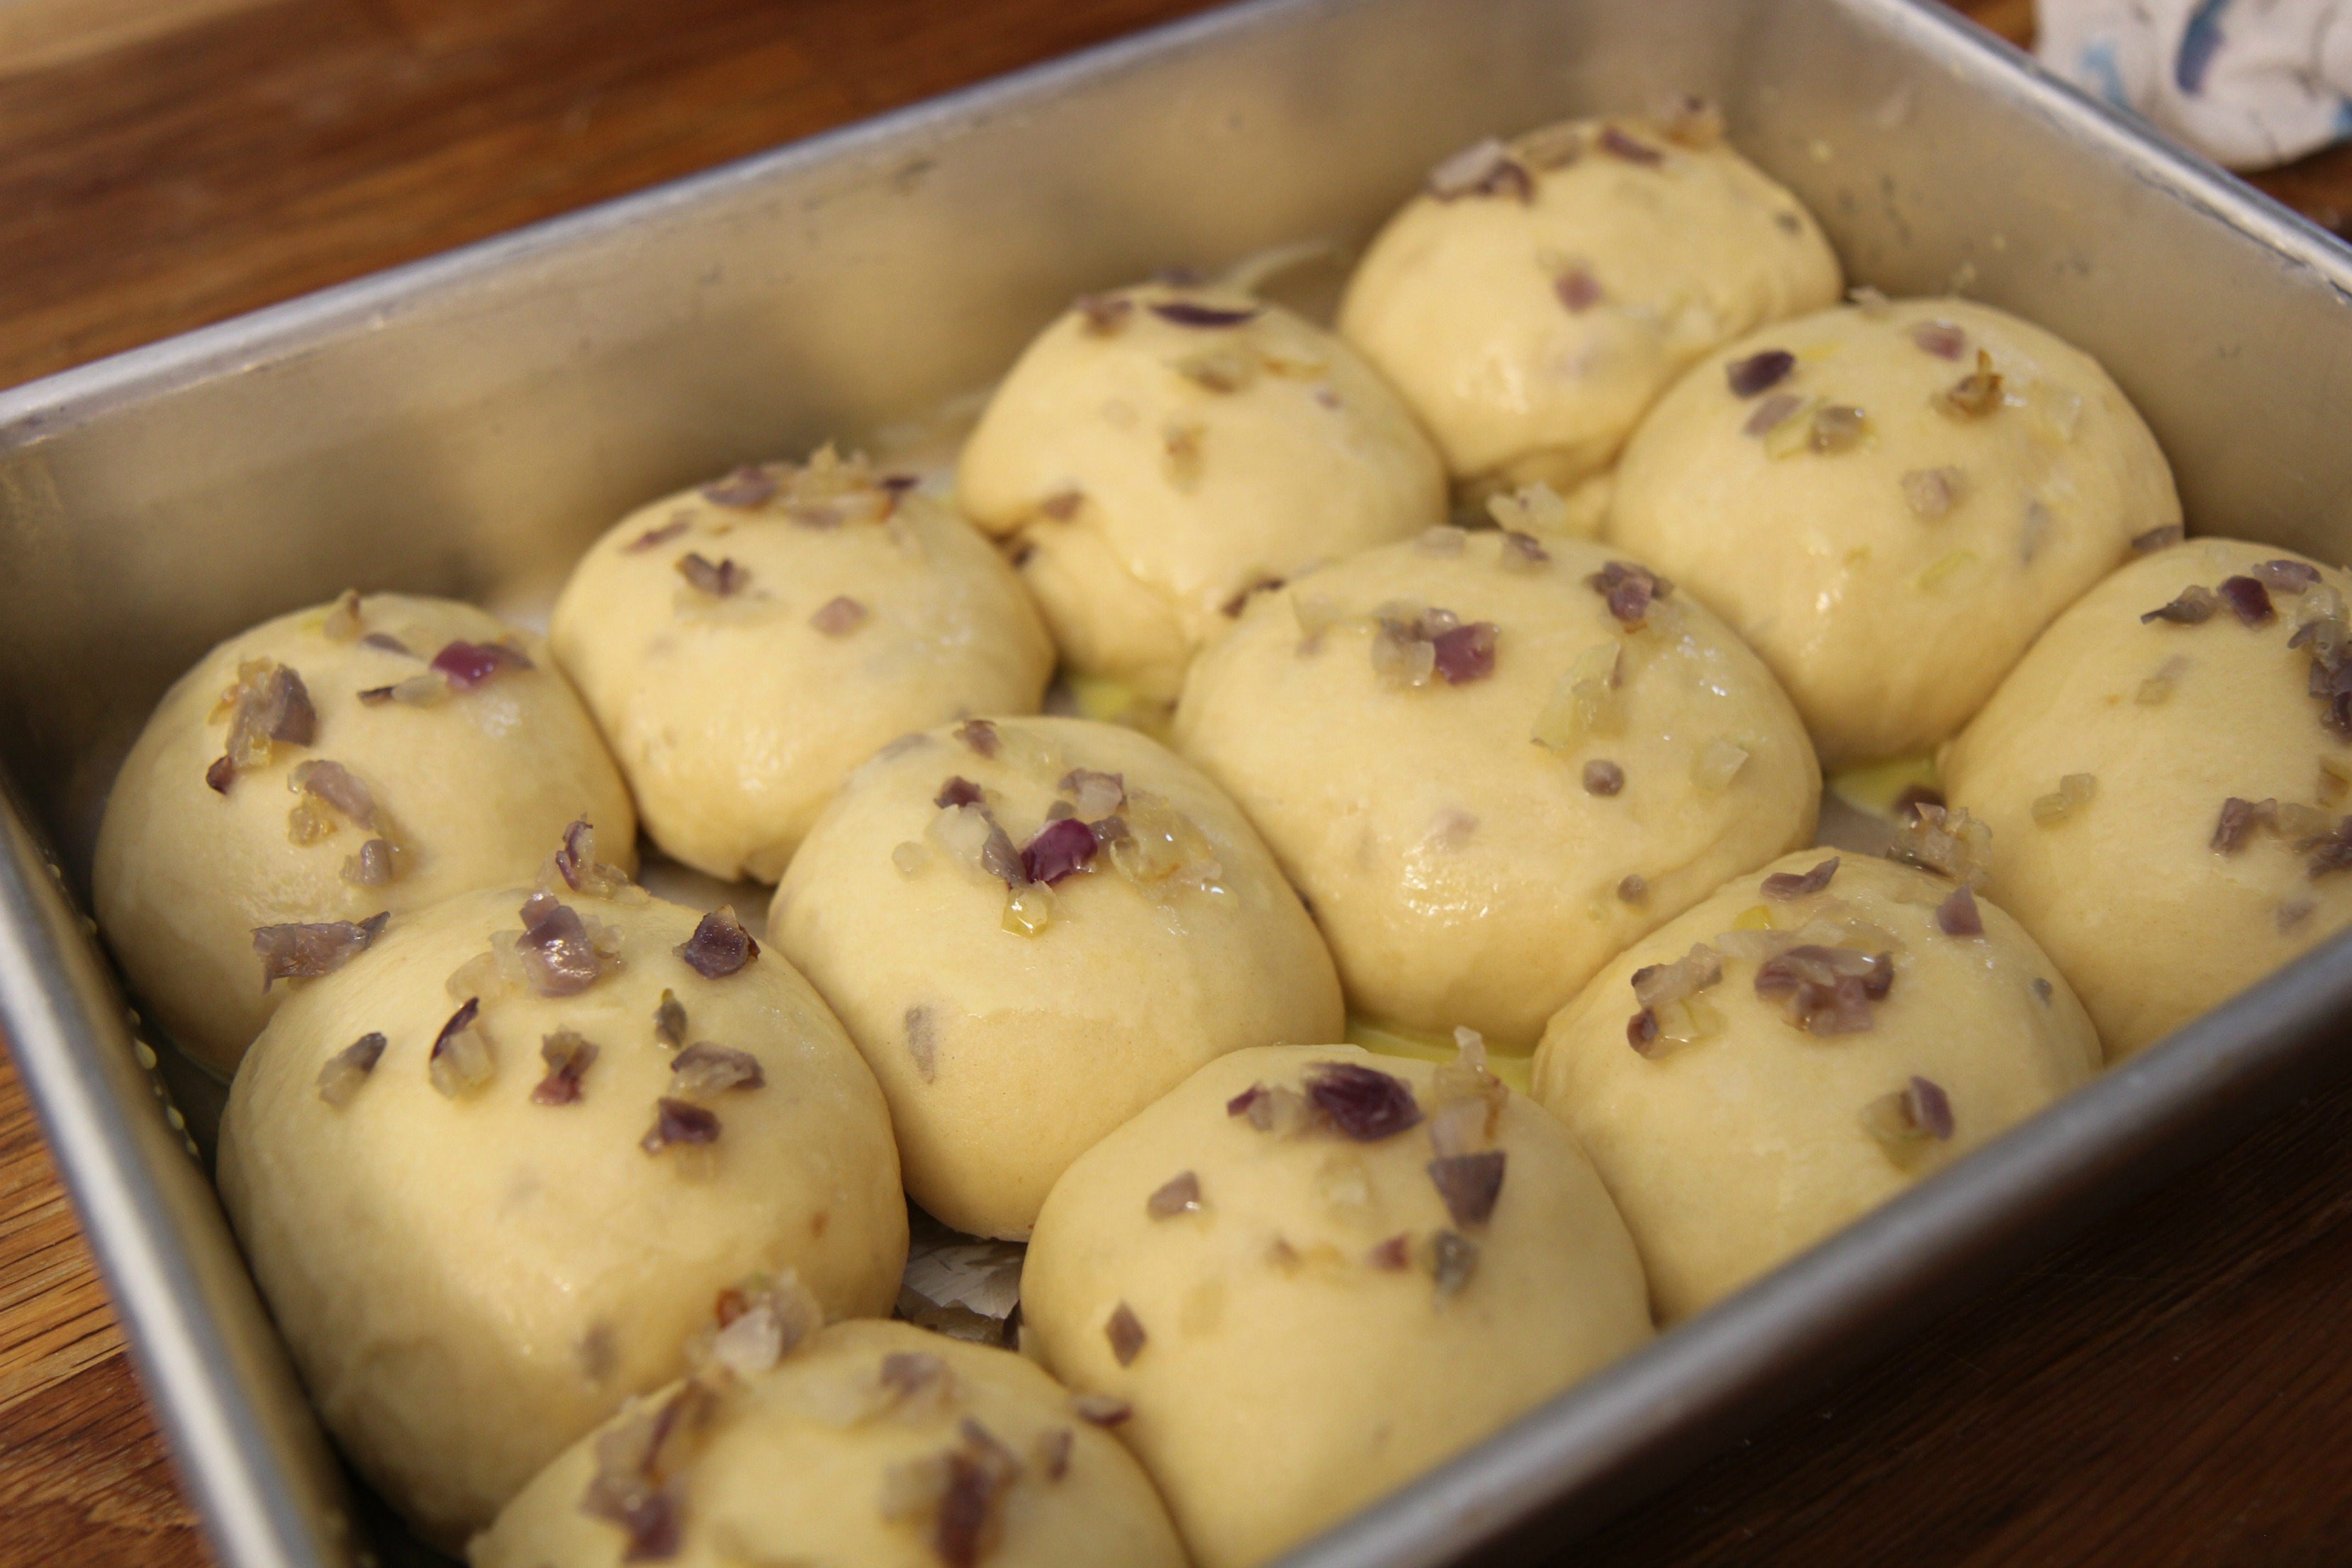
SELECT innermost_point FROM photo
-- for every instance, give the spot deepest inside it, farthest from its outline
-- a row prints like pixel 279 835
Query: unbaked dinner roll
pixel 1159 452
pixel 1534 300
pixel 371 755
pixel 1804 1046
pixel 491 1173
pixel 2166 773
pixel 746 643
pixel 1312 1274
pixel 1490 763
pixel 874 1444
pixel 1034 928
pixel 1889 501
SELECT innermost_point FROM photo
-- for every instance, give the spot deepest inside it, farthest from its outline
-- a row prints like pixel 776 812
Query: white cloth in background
pixel 2249 83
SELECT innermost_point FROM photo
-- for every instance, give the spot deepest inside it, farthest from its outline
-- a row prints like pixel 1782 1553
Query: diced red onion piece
pixel 719 945
pixel 1941 338
pixel 1957 915
pixel 1931 1108
pixel 348 1069
pixel 1060 849
pixel 1180 1194
pixel 979 734
pixel 1470 1184
pixel 1617 144
pixel 679 1121
pixel 304 951
pixel 670 1020
pixel 557 955
pixel 1239 1105
pixel 1363 1103
pixel 1577 289
pixel 1769 413
pixel 704 1069
pixel 1125 1332
pixel 747 488
pixel 1395 1255
pixel 1784 886
pixel 1453 1259
pixel 720 580
pixel 2157 539
pixel 958 791
pixel 654 537
pixel 220 774
pixel 840 616
pixel 2288 577
pixel 1760 371
pixel 568 1057
pixel 1465 653
pixel 2247 600
pixel 1100 1409
pixel 1604 777
pixel 466 664
pixel 1192 313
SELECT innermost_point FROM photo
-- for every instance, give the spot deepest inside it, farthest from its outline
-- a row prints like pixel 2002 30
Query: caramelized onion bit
pixel 678 1121
pixel 641 1461
pixel 1125 1332
pixel 1604 777
pixel 1485 169
pixel 1972 396
pixel 558 956
pixel 348 1069
pixel 720 580
pixel 653 538
pixel 1192 313
pixel 1619 145
pixel 979 735
pixel 1917 1111
pixel 461 1062
pixel 1785 886
pixel 1101 315
pixel 305 950
pixel 840 616
pixel 1957 915
pixel 2247 600
pixel 1100 1409
pixel 1180 1194
pixel 1629 589
pixel 568 1057
pixel 466 664
pixel 719 945
pixel 1363 1103
pixel 1470 1184
pixel 1760 371
pixel 704 1070
pixel 747 488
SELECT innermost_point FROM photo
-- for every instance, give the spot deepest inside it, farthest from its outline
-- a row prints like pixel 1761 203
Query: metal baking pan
pixel 466 425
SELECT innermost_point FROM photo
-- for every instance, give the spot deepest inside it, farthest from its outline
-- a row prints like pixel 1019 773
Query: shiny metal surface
pixel 464 425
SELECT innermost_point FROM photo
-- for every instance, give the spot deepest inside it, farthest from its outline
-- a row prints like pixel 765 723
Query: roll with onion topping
pixel 339 764
pixel 2168 773
pixel 1804 1046
pixel 1490 763
pixel 875 1444
pixel 1034 928
pixel 1159 454
pixel 491 1173
pixel 746 643
pixel 1311 1274
pixel 1889 501
pixel 1532 301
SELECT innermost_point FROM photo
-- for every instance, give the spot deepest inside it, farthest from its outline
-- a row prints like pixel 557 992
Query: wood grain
pixel 2175 1389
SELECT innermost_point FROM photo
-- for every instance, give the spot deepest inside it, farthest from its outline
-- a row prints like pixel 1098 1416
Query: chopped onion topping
pixel 336 785
pixel 1583 702
pixel 1192 313
pixel 1521 553
pixel 1125 1332
pixel 1826 990
pixel 2332 853
pixel 720 581
pixel 1629 589
pixel 1950 844
pixel 1604 777
pixel 1577 289
pixel 1617 144
pixel 1658 985
pixel 1717 764
pixel 342 622
pixel 386 643
pixel 746 489
pixel 2288 577
pixel 1772 413
pixel 306 951
pixel 268 704
pixel 377 863
pixel 1100 1409
pixel 670 1020
pixel 1957 915
pixel 1393 1256
pixel 1453 1260
pixel 558 956
pixel 1485 169
pixel 1760 371
pixel 640 1469
pixel 959 791
pixel 1101 315
pixel 1692 122
pixel 1972 396
pixel 1363 1103
pixel 1941 338
pixel 1063 505
pixel 719 945
pixel 839 616
pixel 465 665
pixel 220 776
pixel 979 734
pixel 1912 797
pixel 1465 653
pixel 2247 600
pixel 678 1121
pixel 568 1057
pixel 461 1062
pixel 1470 1184
pixel 1096 794
pixel 2074 792
pixel 2194 606
pixel 1837 427
pixel 2157 539
pixel 704 1070
pixel 1233 607
pixel 2238 821
pixel 1060 849
pixel 1785 886
pixel 1222 371
pixel 575 861
pixel 653 538
pixel 1180 1194
pixel 1932 493
pixel 1918 1111
pixel 923 1042
pixel 1633 889
pixel 348 1069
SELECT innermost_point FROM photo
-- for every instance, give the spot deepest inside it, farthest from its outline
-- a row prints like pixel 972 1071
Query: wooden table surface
pixel 2176 1388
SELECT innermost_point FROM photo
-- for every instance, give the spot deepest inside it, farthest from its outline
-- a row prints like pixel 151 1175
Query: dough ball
pixel 1315 1273
pixel 1733 1138
pixel 1534 300
pixel 875 1444
pixel 746 644
pixel 1893 542
pixel 1157 453
pixel 377 754
pixel 1011 1029
pixel 2166 795
pixel 1482 820
pixel 478 1238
